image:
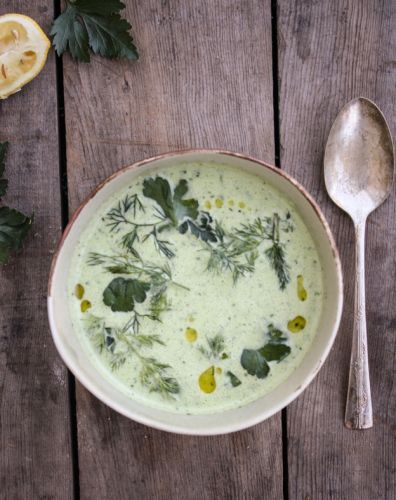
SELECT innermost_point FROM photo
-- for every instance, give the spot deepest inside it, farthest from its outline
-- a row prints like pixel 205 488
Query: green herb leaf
pixel 3 154
pixel 121 294
pixel 274 352
pixel 14 227
pixel 234 379
pixel 174 208
pixel 159 190
pixel 254 363
pixel 94 24
pixel 201 228
pixel 275 334
pixel 184 208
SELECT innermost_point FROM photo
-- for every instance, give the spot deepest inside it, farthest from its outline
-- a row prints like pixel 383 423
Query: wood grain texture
pixel 330 52
pixel 204 80
pixel 34 425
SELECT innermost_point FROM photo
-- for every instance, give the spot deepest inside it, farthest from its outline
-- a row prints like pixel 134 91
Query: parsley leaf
pixel 174 207
pixel 274 352
pixel 121 294
pixel 14 226
pixel 3 182
pixel 184 208
pixel 201 228
pixel 254 363
pixel 234 379
pixel 95 25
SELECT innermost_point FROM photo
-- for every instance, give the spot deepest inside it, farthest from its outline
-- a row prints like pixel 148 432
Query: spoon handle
pixel 358 412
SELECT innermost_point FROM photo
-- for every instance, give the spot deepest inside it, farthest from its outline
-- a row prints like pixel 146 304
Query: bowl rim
pixel 152 422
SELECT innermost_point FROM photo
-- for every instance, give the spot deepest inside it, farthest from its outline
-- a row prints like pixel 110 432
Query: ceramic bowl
pixel 78 360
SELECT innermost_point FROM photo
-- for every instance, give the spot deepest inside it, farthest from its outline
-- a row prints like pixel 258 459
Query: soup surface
pixel 196 289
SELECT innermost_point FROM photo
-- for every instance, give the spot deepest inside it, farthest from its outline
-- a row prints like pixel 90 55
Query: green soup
pixel 197 289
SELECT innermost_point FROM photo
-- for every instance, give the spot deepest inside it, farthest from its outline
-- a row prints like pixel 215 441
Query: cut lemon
pixel 23 52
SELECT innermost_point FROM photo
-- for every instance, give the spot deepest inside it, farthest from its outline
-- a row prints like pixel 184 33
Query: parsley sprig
pixel 94 25
pixel 255 361
pixel 122 294
pixel 14 225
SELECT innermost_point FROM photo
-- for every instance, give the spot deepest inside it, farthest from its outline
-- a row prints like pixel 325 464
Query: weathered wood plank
pixel 204 80
pixel 35 458
pixel 329 53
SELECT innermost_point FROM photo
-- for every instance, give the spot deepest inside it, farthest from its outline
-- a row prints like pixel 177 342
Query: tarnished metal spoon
pixel 358 167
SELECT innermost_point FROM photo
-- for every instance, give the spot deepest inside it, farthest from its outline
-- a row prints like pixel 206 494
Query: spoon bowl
pixel 359 159
pixel 359 170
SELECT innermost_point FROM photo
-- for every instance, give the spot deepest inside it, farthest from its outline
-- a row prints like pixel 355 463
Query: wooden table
pixel 259 77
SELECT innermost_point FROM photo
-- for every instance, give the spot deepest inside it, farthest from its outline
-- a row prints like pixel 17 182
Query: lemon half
pixel 23 52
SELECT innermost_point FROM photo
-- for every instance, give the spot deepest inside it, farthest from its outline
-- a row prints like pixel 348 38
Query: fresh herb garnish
pixel 237 250
pixel 154 376
pixel 216 345
pixel 255 361
pixel 275 334
pixel 158 305
pixel 234 379
pixel 120 343
pixel 275 352
pixel 118 218
pixel 276 255
pixel 162 246
pixel 121 294
pixel 174 209
pixel 223 258
pixel 118 214
pixel 95 25
pixel 201 228
pixel 14 225
pixel 135 320
pixel 159 277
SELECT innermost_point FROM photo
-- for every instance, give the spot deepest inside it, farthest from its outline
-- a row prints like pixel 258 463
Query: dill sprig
pixel 158 304
pixel 154 376
pixel 117 217
pixel 221 259
pixel 118 214
pixel 276 255
pixel 162 246
pixel 216 345
pixel 158 276
pixel 224 256
pixel 120 343
pixel 135 320
pixel 237 250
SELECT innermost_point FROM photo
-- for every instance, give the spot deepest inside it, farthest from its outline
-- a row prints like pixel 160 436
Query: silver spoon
pixel 358 167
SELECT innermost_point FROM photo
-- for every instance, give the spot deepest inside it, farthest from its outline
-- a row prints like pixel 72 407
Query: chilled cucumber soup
pixel 196 288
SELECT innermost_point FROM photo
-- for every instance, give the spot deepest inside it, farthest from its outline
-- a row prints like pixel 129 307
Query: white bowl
pixel 79 362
